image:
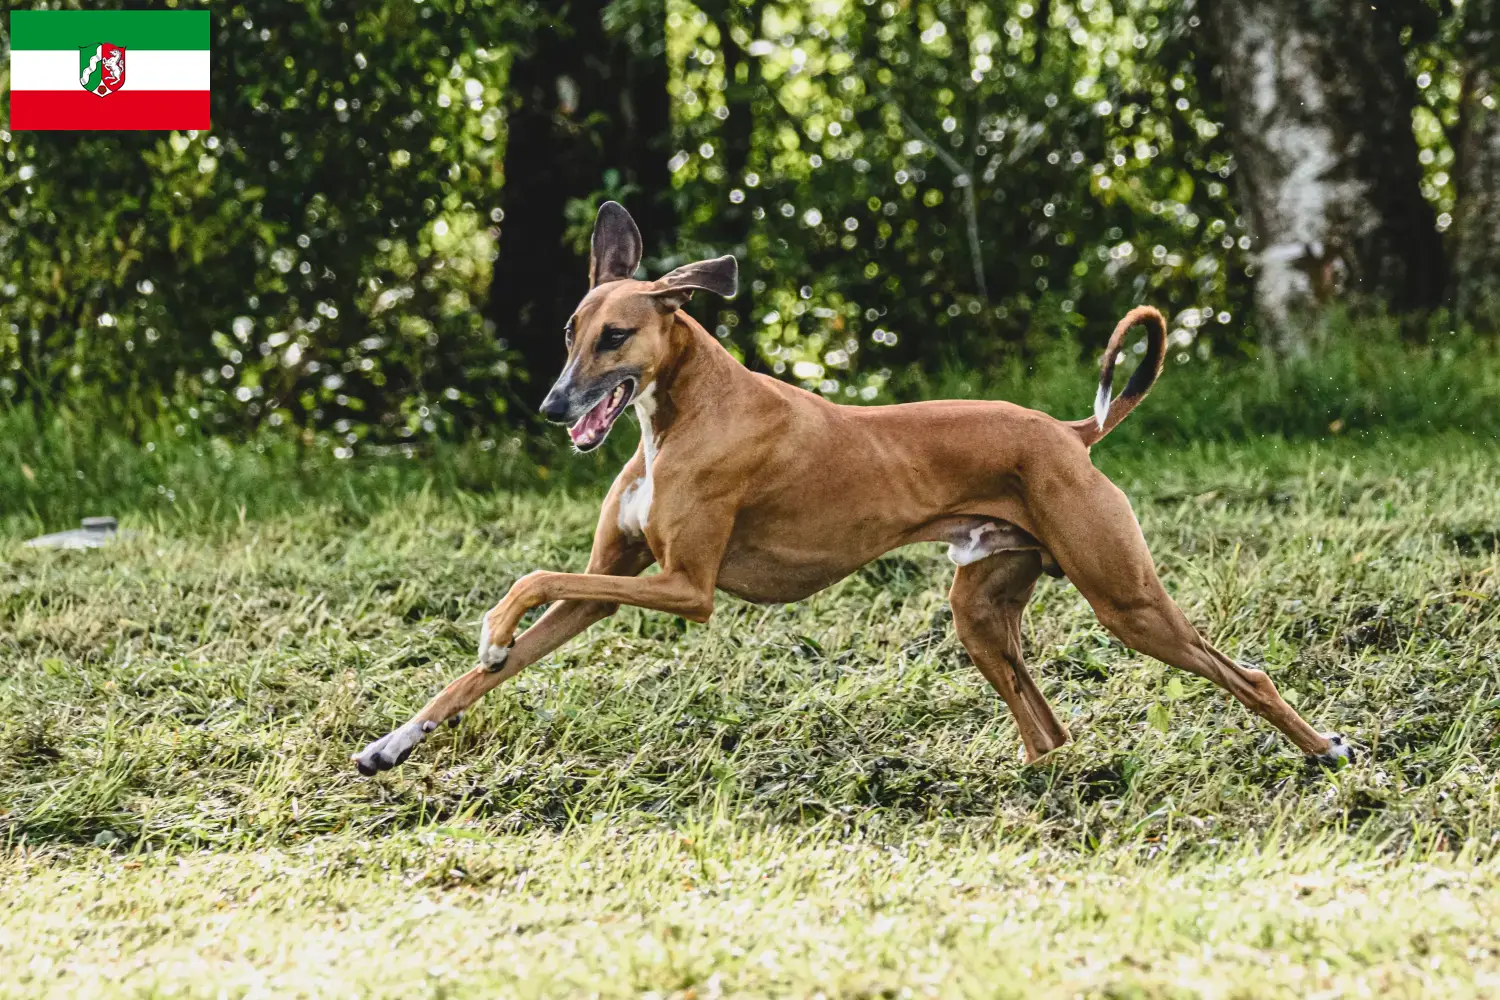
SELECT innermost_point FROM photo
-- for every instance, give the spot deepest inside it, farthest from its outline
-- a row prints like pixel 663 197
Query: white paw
pixel 491 657
pixel 392 749
pixel 1339 754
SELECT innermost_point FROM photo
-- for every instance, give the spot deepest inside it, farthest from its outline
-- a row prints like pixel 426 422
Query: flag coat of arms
pixel 109 70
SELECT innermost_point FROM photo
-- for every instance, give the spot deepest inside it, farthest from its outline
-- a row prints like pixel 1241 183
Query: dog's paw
pixel 392 749
pixel 1340 754
pixel 492 655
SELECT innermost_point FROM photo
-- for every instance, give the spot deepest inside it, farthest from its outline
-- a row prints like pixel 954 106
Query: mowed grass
pixel 787 800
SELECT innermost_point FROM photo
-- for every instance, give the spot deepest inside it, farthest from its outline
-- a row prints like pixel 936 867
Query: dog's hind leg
pixel 1088 526
pixel 988 597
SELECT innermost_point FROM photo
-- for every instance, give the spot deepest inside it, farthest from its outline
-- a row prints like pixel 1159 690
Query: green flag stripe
pixel 130 29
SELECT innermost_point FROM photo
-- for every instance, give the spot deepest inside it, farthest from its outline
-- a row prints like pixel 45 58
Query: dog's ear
pixel 615 249
pixel 720 276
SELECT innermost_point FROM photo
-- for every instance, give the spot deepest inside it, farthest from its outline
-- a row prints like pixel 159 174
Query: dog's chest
pixel 635 506
pixel 635 502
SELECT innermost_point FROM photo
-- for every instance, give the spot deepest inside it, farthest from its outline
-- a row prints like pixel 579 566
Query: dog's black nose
pixel 554 407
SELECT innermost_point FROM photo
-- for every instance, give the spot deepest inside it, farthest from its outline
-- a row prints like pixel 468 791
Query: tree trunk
pixel 1320 107
pixel 1476 171
pixel 643 124
pixel 586 101
pixel 730 230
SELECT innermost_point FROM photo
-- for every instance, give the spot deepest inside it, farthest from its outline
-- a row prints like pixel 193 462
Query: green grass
pixel 825 796
pixel 1361 377
pixel 1362 380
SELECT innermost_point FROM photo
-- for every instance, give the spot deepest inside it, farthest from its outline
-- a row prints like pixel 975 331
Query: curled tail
pixel 1109 412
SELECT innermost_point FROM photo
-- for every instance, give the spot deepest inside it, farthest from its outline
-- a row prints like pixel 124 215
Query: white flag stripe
pixel 145 69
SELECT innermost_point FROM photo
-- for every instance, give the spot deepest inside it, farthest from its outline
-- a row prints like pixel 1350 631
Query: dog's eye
pixel 613 337
pixel 568 333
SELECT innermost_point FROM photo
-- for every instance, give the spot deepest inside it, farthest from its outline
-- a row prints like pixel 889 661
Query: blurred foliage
pixel 1069 142
pixel 313 260
pixel 913 185
pixel 1360 379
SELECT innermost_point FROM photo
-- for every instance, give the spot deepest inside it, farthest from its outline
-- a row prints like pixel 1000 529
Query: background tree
pixel 1476 171
pixel 727 228
pixel 1320 103
pixel 315 260
pixel 589 118
pixel 934 185
pixel 384 230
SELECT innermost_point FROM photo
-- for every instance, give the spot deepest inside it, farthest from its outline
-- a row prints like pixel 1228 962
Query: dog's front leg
pixel 561 622
pixel 676 593
pixel 583 598
pixel 612 554
pixel 690 546
pixel 693 548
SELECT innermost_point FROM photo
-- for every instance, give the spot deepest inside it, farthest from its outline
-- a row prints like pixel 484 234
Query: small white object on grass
pixel 95 531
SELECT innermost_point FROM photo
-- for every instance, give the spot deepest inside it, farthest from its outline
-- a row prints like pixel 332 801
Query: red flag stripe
pixel 128 110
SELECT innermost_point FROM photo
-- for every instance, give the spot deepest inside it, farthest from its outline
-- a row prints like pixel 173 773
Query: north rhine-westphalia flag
pixel 108 70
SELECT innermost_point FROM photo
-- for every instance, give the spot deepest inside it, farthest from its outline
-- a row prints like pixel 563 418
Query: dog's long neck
pixel 698 379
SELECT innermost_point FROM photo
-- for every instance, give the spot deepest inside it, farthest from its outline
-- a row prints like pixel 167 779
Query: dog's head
pixel 619 337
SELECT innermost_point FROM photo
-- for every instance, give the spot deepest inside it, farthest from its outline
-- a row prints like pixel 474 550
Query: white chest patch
pixel 635 502
pixel 975 547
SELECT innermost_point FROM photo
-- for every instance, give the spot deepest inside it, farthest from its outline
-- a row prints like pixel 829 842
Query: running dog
pixel 745 484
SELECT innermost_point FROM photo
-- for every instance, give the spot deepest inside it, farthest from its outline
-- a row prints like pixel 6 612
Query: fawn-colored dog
pixel 770 493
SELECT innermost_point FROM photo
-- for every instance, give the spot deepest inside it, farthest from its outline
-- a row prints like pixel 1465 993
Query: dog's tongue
pixel 592 423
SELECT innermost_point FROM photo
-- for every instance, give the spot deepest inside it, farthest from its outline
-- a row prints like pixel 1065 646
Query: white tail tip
pixel 1101 405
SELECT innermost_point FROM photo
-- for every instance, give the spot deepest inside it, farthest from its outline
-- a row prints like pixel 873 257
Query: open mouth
pixel 593 427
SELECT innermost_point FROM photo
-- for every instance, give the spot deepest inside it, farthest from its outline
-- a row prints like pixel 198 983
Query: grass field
pixel 787 800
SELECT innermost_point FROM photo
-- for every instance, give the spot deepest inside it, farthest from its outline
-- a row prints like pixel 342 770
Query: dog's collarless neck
pixel 694 381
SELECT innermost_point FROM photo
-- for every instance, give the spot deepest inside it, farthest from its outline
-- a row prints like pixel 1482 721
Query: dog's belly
pixel 763 578
pixel 784 569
